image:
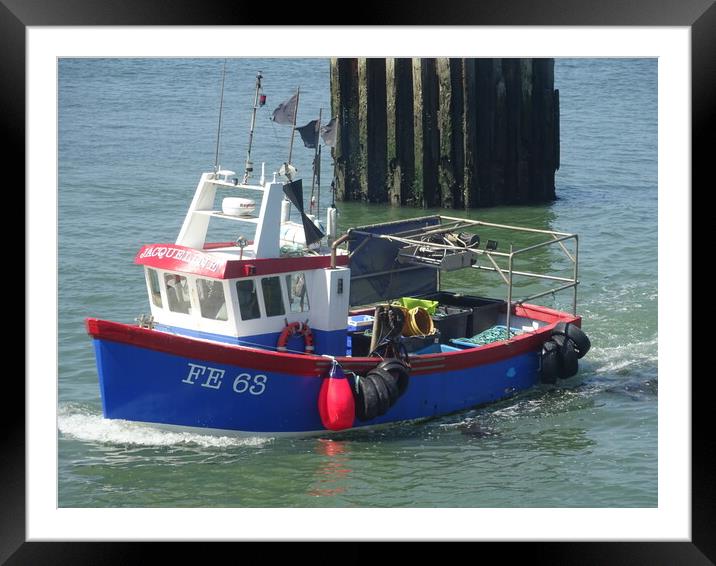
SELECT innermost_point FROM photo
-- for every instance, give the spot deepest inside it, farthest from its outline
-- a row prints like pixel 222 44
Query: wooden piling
pixel 344 105
pixel 484 124
pixel 372 129
pixel 469 130
pixel 544 132
pixel 555 141
pixel 456 133
pixel 399 130
pixel 363 128
pixel 450 166
pixel 427 139
pixel 524 138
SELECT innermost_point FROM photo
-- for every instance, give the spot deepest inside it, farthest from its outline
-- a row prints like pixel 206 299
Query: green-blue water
pixel 134 136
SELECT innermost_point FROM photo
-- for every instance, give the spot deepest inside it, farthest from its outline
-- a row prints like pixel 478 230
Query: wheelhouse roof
pixel 222 265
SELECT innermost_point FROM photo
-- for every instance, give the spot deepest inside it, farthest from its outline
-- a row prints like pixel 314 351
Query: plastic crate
pixel 484 311
pixel 360 322
pixel 359 343
pixel 451 322
pixel 437 349
pixel 414 343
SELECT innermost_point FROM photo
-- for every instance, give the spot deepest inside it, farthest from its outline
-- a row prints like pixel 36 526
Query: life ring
pixel 300 328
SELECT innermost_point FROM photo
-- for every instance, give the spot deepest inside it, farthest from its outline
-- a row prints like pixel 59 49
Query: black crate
pixel 485 316
pixel 415 343
pixel 360 343
pixel 484 311
pixel 451 322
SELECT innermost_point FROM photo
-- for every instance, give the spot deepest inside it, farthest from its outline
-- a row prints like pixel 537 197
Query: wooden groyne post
pixel 452 133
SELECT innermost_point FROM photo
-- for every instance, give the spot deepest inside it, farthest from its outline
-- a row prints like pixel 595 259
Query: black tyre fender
pixel 575 334
pixel 551 362
pixel 367 400
pixel 382 391
pixel 570 361
pixel 390 382
pixel 399 370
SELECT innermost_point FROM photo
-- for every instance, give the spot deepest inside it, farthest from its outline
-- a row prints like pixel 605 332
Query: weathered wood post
pixel 427 136
pixel 344 105
pixel 400 131
pixel 470 189
pixel 372 126
pixel 456 133
pixel 452 151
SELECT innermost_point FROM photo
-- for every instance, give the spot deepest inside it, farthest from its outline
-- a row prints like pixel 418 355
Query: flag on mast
pixel 294 193
pixel 328 133
pixel 285 112
pixel 309 134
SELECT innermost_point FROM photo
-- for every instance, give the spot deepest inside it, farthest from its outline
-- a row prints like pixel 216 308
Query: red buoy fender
pixel 335 400
pixel 292 329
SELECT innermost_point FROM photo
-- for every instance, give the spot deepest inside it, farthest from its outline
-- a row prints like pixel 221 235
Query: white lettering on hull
pixel 194 372
pixel 213 381
pixel 212 378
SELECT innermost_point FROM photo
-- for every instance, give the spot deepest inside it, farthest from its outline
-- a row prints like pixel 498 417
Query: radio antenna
pixel 259 100
pixel 221 110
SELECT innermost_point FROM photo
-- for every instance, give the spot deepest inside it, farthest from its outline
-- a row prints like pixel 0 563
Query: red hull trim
pixel 318 366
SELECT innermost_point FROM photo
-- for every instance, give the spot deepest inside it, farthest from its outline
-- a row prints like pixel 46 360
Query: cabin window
pixel 273 298
pixel 211 298
pixel 297 292
pixel 177 288
pixel 248 299
pixel 154 288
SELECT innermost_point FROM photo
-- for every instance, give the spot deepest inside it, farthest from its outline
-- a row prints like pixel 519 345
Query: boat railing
pixel 561 240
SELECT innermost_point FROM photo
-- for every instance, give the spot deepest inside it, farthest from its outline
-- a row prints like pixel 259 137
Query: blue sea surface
pixel 134 137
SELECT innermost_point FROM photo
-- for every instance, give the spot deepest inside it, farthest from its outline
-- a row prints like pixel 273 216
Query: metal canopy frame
pixel 452 224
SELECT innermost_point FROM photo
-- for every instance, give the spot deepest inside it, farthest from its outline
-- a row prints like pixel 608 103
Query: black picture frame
pixel 699 15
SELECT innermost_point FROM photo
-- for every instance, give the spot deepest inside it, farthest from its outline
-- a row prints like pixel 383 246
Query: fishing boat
pixel 275 334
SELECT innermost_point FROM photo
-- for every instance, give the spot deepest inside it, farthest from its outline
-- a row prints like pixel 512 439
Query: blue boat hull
pixel 148 385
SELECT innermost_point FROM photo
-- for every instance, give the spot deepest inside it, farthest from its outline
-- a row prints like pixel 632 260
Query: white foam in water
pixel 523 407
pixel 95 428
pixel 609 360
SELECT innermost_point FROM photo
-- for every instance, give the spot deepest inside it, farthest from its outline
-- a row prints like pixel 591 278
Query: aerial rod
pixel 221 110
pixel 249 165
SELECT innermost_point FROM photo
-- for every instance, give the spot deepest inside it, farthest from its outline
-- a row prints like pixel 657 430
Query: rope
pixel 414 326
pixel 388 344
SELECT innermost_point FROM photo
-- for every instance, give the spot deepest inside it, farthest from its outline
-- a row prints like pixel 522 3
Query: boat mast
pixel 316 179
pixel 249 165
pixel 221 109
pixel 333 179
pixel 293 127
pixel 318 182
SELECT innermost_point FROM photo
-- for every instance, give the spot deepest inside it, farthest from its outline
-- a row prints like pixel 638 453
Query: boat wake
pixel 83 424
pixel 621 360
pixel 630 370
